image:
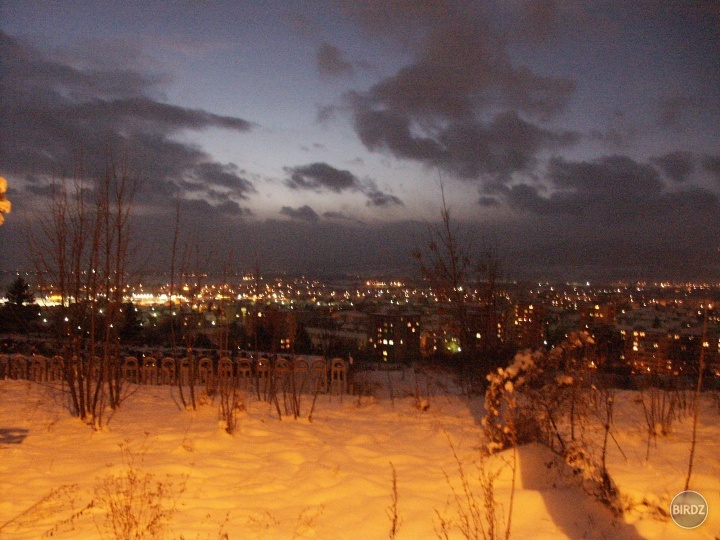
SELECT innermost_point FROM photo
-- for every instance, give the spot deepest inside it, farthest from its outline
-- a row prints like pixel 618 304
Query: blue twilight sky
pixel 580 138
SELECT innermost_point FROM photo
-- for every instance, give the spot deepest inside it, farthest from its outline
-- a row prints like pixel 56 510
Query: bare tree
pixel 115 193
pixel 191 316
pixel 696 404
pixel 449 263
pixel 185 313
pixel 81 253
pixel 445 262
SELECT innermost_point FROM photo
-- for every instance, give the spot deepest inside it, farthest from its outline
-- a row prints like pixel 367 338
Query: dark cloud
pixel 34 179
pixel 613 187
pixel 42 190
pixel 378 198
pixel 303 213
pixel 314 146
pixel 463 67
pixel 331 63
pixel 326 113
pixel 677 240
pixel 189 186
pixel 335 215
pixel 321 177
pixel 488 201
pixel 619 176
pixel 406 21
pixel 203 207
pixel 677 112
pixel 146 115
pixel 233 208
pixel 505 145
pixel 59 119
pixel 712 165
pixel 541 17
pixel 461 104
pixel 344 218
pixel 617 201
pixel 526 197
pixel 215 174
pixel 389 130
pixel 619 133
pixel 676 165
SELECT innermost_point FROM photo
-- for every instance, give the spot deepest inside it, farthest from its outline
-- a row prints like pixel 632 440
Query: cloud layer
pixel 576 136
pixel 65 120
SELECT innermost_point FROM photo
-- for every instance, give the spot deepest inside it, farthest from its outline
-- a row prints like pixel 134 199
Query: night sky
pixel 580 138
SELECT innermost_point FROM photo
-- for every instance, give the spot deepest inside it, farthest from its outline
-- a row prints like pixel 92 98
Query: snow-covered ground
pixel 330 478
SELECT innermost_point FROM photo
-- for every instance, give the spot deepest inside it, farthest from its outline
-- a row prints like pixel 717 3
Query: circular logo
pixel 688 509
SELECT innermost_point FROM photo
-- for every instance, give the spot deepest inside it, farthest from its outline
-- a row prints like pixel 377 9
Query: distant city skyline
pixel 580 139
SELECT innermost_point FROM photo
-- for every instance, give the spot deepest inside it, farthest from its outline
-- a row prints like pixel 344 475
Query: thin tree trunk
pixel 696 412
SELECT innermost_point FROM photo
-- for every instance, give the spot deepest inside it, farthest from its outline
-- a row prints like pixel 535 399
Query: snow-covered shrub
pixel 594 476
pixel 533 391
pixel 556 393
pixel 543 396
pixel 501 400
pixel 527 426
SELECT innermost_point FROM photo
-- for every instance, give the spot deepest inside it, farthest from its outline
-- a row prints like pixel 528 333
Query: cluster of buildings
pixel 659 329
pixel 656 329
pixel 638 328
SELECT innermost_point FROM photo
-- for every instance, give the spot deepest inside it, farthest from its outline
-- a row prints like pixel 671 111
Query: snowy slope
pixel 330 478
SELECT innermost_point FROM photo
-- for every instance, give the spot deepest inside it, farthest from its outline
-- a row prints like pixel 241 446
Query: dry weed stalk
pixel 231 403
pixel 392 510
pixel 58 501
pixel 476 515
pixel 134 503
pixel 307 520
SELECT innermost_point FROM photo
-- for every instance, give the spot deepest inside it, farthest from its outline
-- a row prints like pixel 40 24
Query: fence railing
pixel 307 375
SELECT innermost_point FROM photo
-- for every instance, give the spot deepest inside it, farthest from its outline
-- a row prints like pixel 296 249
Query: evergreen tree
pixel 130 328
pixel 18 314
pixel 19 293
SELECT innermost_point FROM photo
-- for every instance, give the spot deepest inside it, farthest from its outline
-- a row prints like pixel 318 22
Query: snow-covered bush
pixel 543 396
pixel 501 401
pixel 533 394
